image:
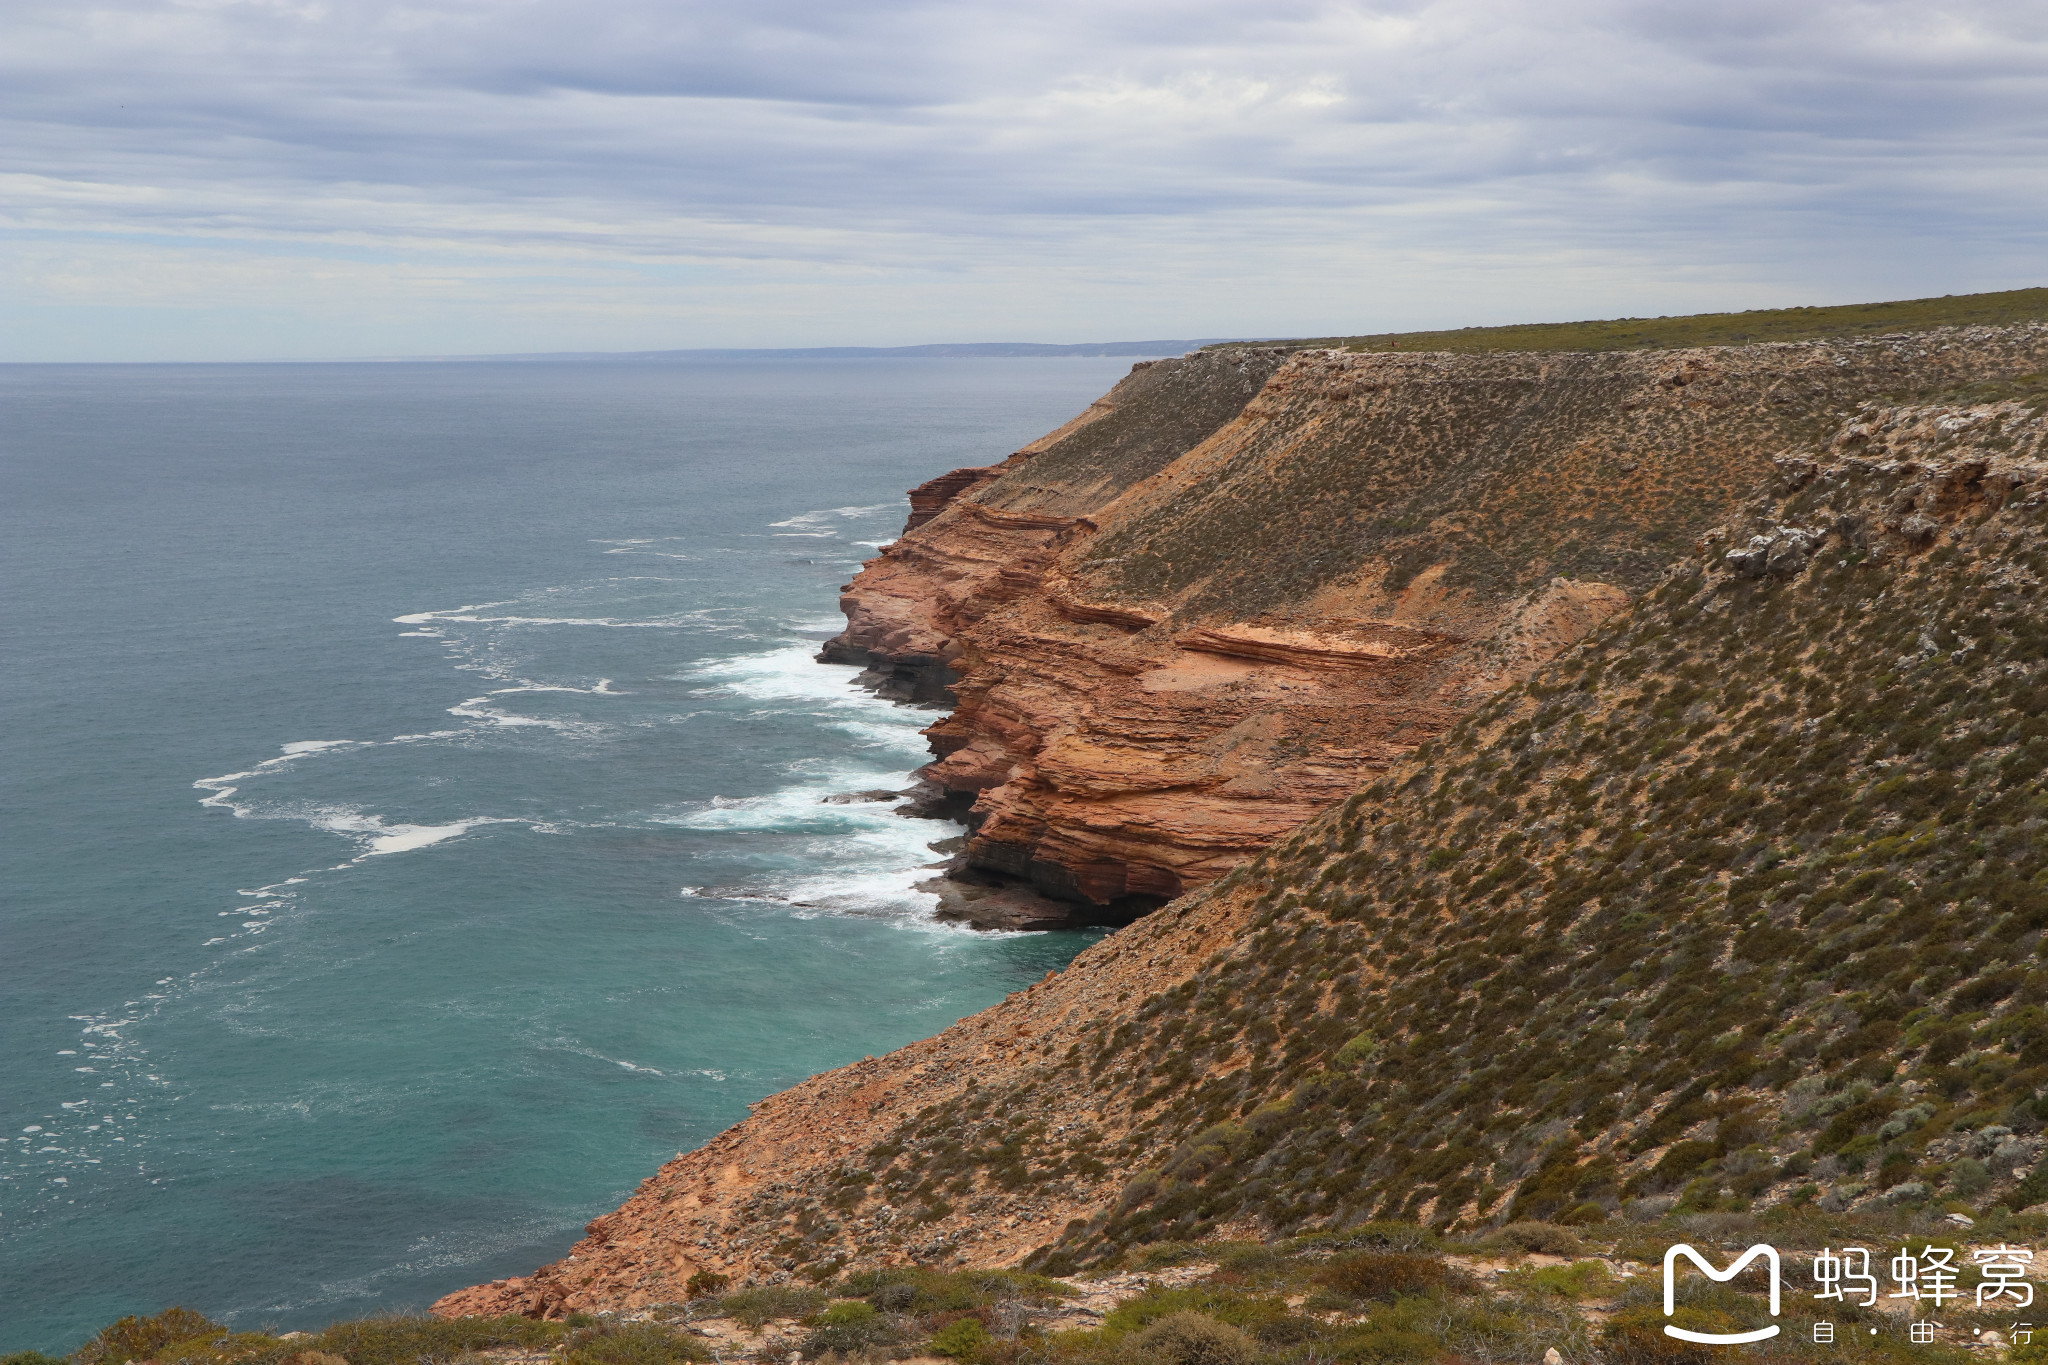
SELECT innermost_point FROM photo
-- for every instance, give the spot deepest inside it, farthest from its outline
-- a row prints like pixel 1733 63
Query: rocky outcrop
pixel 933 496
pixel 1614 937
pixel 1247 580
pixel 1173 638
pixel 909 607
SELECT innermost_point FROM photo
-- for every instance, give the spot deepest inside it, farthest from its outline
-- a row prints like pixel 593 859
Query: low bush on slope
pixel 1717 329
pixel 1739 905
pixel 1743 898
pixel 1311 1301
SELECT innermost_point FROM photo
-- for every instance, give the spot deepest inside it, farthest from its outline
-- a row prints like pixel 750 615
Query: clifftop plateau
pixel 1249 579
pixel 1610 785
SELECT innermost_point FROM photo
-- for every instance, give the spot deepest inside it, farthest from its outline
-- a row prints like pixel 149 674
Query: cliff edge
pixel 1249 579
pixel 1739 899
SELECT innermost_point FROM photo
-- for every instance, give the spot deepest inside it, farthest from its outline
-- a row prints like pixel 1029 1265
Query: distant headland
pixel 969 350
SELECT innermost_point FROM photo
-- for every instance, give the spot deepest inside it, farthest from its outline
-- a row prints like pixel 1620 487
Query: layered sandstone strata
pixel 1249 579
pixel 1424 600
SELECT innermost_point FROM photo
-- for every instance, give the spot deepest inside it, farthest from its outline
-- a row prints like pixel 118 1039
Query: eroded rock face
pixel 1076 715
pixel 1106 1078
pixel 1247 581
pixel 909 607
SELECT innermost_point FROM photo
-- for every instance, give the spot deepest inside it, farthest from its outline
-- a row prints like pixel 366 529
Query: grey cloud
pixel 905 135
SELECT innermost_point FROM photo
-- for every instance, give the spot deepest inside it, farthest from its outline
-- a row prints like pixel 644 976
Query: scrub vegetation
pixel 1715 329
pixel 1738 904
pixel 1726 926
pixel 1377 1293
pixel 1736 910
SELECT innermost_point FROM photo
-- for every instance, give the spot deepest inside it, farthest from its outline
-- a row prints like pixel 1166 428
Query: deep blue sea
pixel 413 823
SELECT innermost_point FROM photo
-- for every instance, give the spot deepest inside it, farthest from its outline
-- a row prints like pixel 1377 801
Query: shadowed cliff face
pixel 907 609
pixel 1245 582
pixel 1771 830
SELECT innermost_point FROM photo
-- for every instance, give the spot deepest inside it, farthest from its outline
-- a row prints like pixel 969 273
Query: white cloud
pixel 537 174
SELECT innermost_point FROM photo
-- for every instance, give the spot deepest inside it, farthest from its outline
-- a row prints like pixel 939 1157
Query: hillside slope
pixel 1739 900
pixel 1178 630
pixel 1999 309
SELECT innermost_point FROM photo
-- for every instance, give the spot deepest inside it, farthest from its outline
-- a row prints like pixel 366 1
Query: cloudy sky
pixel 191 179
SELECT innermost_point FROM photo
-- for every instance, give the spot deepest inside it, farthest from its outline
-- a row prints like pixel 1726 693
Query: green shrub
pixel 31 1358
pixel 960 1339
pixel 139 1338
pixel 1196 1339
pixel 1362 1048
pixel 1385 1343
pixel 906 1289
pixel 1248 1258
pixel 1292 1330
pixel 1238 1310
pixel 1384 1275
pixel 1579 1280
pixel 223 1349
pixel 1160 1255
pixel 399 1339
pixel 1384 1236
pixel 1546 1239
pixel 846 1313
pixel 756 1307
pixel 705 1283
pixel 2034 1351
pixel 847 1328
pixel 1635 1336
pixel 633 1343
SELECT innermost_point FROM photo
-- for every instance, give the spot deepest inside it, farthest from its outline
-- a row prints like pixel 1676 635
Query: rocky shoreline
pixel 1525 563
pixel 1249 579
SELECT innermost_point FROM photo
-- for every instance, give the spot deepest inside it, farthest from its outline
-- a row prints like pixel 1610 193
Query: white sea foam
pixel 834 623
pixel 792 673
pixel 603 688
pixel 298 748
pixel 467 616
pixel 475 709
pixel 377 837
pixel 798 810
pixel 855 858
pixel 421 618
pixel 403 838
pixel 580 1050
pixel 221 790
pixel 881 734
pixel 888 894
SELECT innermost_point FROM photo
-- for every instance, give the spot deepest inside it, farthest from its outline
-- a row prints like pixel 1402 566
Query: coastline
pixel 1077 667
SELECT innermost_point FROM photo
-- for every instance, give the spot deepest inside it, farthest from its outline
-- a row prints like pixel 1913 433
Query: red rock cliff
pixel 1247 580
pixel 1172 659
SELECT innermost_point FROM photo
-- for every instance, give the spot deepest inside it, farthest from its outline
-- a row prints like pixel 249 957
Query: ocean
pixel 414 819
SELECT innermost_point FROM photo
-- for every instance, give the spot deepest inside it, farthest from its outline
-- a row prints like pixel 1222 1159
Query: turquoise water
pixel 413 805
